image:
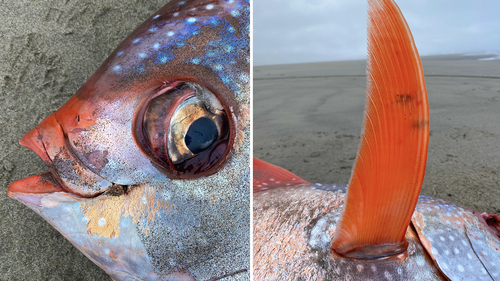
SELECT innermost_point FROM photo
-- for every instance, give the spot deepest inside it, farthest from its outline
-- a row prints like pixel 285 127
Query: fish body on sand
pixel 130 185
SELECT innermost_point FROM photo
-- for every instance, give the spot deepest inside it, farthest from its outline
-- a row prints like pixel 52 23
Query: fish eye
pixel 186 129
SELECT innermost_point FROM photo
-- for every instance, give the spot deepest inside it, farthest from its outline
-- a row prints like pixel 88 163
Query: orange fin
pixel 267 176
pixel 389 170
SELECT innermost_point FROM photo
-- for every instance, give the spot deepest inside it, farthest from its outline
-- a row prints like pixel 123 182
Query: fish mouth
pixel 67 173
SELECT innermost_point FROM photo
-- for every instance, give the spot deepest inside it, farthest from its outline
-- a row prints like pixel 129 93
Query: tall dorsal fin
pixel 267 176
pixel 389 170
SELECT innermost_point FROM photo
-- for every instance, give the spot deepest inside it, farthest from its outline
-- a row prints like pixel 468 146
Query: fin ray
pixel 267 176
pixel 389 170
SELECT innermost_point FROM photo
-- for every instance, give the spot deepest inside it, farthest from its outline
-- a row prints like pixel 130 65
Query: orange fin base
pixel 389 170
pixel 267 176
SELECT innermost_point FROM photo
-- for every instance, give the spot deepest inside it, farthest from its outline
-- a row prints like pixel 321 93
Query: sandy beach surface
pixel 308 117
pixel 48 49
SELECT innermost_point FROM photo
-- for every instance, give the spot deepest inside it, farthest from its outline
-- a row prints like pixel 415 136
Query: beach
pixel 308 118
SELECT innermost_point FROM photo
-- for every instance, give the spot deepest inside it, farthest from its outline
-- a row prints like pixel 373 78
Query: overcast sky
pixel 294 31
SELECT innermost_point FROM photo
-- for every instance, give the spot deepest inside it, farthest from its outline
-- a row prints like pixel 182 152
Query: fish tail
pixel 389 169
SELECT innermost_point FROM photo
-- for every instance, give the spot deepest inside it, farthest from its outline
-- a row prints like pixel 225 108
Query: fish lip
pixel 52 129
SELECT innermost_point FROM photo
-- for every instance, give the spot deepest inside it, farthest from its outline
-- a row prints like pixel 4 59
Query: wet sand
pixel 308 117
pixel 48 49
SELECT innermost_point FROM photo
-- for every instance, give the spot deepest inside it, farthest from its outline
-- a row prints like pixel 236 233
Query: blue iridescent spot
pixel 181 3
pixel 153 29
pixel 156 46
pixel 191 20
pixel 235 13
pixel 117 69
pixel 195 61
pixel 164 59
pixel 142 55
pixel 136 40
pixel 119 53
pixel 231 29
pixel 244 78
pixel 140 69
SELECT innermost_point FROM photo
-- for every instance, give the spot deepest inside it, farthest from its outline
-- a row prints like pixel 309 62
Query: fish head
pixel 149 160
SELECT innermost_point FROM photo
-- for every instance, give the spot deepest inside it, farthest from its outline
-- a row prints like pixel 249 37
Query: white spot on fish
pixel 142 55
pixel 447 252
pixel 452 238
pixel 153 29
pixel 360 267
pixel 136 40
pixel 209 7
pixel 191 20
pixel 117 69
pixel 119 53
pixel 420 261
pixel 469 256
pixel 156 46
pixel 456 251
pixel 176 14
pixel 460 268
pixel 101 222
pixel 181 3
pixel 170 33
pixel 400 271
pixel 85 219
pixel 271 179
pixel 387 275
pixel 374 268
pixel 155 17
pixel 441 238
pixel 464 243
pixel 144 199
pixel 435 251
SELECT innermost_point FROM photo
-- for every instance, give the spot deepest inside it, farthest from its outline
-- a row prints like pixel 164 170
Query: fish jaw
pixel 122 256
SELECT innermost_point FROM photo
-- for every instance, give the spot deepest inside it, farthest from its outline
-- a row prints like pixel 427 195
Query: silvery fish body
pixel 294 226
pixel 149 160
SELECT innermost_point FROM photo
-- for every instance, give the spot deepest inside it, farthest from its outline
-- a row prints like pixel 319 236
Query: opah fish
pixel 149 167
pixel 381 229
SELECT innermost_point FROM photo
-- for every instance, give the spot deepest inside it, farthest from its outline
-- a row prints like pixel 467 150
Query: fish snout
pixel 50 142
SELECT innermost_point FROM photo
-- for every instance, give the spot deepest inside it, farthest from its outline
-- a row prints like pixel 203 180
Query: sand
pixel 308 117
pixel 48 49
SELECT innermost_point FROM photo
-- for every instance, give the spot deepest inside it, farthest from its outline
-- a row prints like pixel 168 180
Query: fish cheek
pixel 202 228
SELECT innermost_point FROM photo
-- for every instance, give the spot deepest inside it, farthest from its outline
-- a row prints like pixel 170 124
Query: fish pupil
pixel 202 134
